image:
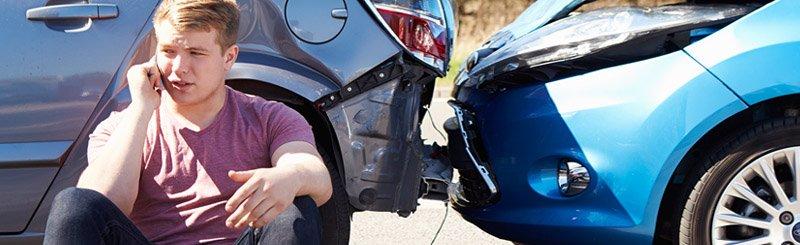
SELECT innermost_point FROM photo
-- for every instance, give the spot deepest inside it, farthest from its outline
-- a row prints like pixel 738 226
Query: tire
pixel 337 212
pixel 729 167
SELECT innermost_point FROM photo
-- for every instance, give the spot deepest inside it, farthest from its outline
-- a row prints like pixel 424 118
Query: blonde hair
pixel 202 15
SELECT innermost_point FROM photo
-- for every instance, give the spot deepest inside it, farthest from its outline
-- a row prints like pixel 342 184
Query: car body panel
pixel 27 165
pixel 764 43
pixel 314 21
pixel 18 210
pixel 629 124
pixel 46 99
pixel 276 70
pixel 43 99
pixel 263 28
pixel 116 97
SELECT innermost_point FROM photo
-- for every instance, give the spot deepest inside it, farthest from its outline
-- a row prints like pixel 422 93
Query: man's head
pixel 196 47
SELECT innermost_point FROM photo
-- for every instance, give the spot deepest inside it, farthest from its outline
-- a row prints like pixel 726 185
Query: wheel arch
pixel 271 69
pixel 689 168
pixel 276 78
pixel 324 135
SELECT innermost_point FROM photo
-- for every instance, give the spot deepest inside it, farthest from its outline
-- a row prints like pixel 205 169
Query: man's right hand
pixel 120 152
pixel 144 82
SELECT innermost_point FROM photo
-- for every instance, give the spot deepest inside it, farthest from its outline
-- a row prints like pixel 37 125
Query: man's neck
pixel 197 116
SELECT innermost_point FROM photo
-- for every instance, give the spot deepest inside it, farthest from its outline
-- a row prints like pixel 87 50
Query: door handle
pixel 73 11
pixel 339 13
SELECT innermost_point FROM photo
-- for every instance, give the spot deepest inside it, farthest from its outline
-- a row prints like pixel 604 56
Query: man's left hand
pixel 266 192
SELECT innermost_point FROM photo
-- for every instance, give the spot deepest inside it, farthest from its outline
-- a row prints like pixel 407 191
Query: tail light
pixel 423 27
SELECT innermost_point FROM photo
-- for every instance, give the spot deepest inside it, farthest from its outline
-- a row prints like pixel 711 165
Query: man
pixel 192 160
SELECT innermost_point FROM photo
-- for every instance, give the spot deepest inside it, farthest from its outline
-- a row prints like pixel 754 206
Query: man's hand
pixel 266 193
pixel 298 171
pixel 144 83
pixel 115 160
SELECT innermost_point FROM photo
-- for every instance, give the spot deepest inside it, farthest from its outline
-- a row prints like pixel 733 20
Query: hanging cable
pixel 446 210
pixel 433 123
pixel 446 206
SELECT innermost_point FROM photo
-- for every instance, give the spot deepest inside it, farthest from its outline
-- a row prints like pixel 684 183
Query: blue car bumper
pixel 629 124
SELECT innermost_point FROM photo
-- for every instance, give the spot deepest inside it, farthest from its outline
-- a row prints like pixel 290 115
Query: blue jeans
pixel 83 216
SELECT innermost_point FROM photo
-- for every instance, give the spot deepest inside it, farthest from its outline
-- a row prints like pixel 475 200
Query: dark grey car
pixel 360 71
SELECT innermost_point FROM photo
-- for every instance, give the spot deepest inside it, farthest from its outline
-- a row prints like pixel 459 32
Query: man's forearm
pixel 114 171
pixel 315 181
pixel 302 159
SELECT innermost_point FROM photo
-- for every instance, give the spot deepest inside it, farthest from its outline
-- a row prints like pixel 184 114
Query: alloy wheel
pixel 760 204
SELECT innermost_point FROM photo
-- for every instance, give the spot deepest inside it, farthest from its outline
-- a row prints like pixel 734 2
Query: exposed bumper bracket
pixel 468 194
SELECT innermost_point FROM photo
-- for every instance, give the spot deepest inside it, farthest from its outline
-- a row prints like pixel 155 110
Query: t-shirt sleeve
pixel 100 135
pixel 285 125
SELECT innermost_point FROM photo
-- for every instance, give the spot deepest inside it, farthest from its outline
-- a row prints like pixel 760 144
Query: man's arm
pixel 303 158
pixel 267 192
pixel 114 170
pixel 115 167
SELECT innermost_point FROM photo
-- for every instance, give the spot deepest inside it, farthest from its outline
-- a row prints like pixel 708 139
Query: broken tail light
pixel 423 27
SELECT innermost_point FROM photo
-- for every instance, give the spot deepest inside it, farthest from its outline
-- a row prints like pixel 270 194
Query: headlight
pixel 588 33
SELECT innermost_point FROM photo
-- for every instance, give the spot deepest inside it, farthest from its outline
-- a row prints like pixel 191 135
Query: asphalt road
pixel 421 226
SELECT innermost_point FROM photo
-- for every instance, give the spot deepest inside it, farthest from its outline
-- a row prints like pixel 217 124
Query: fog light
pixel 573 178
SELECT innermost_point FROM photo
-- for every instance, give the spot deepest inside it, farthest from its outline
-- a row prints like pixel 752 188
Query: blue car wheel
pixel 748 191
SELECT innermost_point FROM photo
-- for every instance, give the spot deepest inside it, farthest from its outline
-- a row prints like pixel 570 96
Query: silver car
pixel 360 71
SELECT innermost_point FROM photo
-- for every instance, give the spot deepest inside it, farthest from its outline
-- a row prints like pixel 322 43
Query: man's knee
pixel 74 204
pixel 302 214
pixel 301 222
pixel 302 208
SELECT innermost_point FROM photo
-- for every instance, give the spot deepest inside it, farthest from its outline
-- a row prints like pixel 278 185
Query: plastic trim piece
pixel 473 156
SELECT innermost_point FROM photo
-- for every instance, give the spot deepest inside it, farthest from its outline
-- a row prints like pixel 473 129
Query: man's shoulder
pixel 249 103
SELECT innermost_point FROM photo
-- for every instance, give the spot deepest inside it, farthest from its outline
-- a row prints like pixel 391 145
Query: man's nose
pixel 180 66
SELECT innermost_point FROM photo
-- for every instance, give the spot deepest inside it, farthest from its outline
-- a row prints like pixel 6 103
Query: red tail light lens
pixel 415 31
pixel 420 26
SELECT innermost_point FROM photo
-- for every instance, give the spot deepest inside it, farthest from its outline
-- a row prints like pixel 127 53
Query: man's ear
pixel 230 56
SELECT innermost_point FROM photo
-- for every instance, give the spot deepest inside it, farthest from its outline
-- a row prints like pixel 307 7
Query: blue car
pixel 677 123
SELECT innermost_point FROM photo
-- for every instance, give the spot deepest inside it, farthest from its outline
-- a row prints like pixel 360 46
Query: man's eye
pixel 168 51
pixel 196 53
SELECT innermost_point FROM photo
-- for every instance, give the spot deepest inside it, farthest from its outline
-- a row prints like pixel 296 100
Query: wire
pixel 446 207
pixel 446 210
pixel 434 124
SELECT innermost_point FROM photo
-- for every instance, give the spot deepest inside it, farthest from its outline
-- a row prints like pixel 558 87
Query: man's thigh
pixel 300 223
pixel 83 216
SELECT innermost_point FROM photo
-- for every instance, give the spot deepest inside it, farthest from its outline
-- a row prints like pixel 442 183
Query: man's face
pixel 192 63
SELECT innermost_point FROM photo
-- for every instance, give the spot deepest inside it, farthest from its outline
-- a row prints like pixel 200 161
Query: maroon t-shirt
pixel 184 180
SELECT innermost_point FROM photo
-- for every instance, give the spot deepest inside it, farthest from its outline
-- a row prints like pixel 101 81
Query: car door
pixel 57 59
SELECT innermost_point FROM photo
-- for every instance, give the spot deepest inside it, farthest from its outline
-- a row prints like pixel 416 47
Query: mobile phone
pixel 160 73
